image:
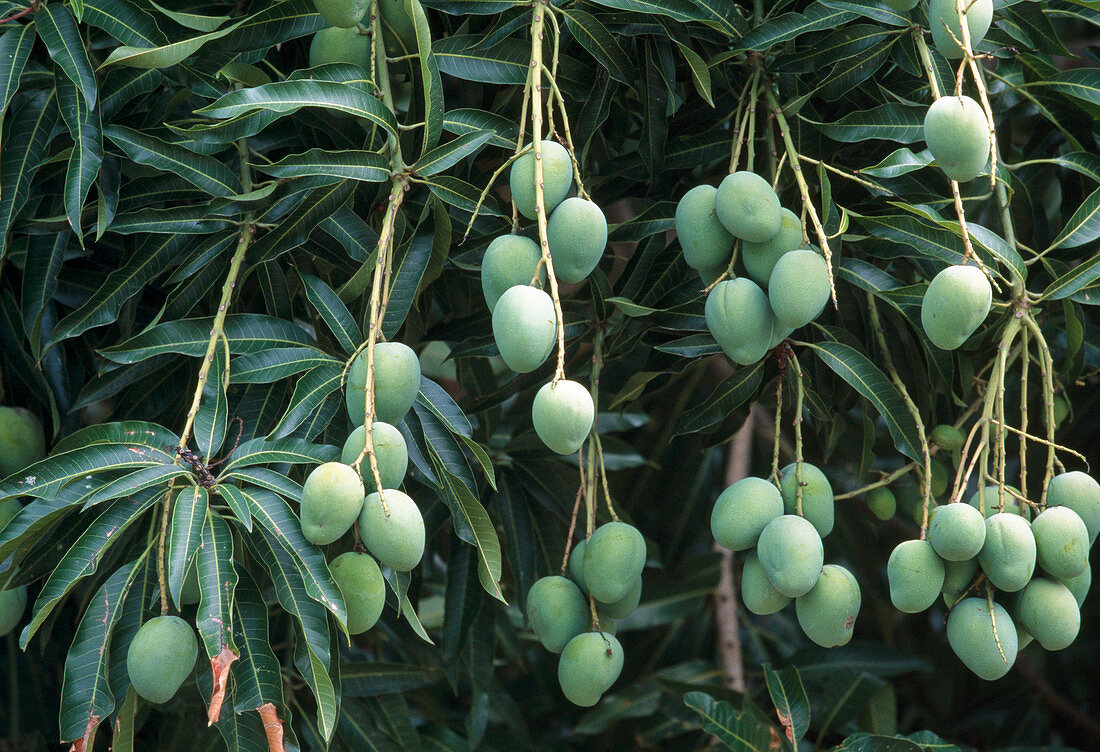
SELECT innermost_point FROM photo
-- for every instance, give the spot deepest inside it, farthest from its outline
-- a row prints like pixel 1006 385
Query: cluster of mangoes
pixel 785 559
pixel 943 15
pixel 746 321
pixel 607 567
pixel 22 443
pixel 1039 566
pixel 344 41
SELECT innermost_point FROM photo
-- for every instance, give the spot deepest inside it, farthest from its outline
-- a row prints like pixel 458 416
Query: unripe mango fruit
pixel 882 502
pixel 589 665
pixel 740 318
pixel 342 13
pixel 1079 585
pixel 577 236
pixel 12 604
pixel 948 437
pixel 827 614
pixel 817 496
pixel 563 413
pixel 396 383
pixel 1008 554
pixel 576 564
pixel 798 288
pixel 957 532
pixel 957 135
pixel 1050 613
pixel 748 207
pixel 509 260
pixel 1061 541
pixel 954 305
pixel 396 539
pixel 190 592
pixel 761 258
pixel 915 573
pixel 791 554
pixel 626 605
pixel 436 362
pixel 398 30
pixel 1012 504
pixel 944 15
pixel 161 656
pixel 901 5
pixel 757 591
pixel 613 560
pixel 557 178
pixel 22 442
pixel 742 511
pixel 337 45
pixel 524 327
pixel 390 451
pixel 331 500
pixel 705 241
pixel 939 478
pixel 970 632
pixel 557 611
pixel 957 578
pixel 1081 493
pixel 364 590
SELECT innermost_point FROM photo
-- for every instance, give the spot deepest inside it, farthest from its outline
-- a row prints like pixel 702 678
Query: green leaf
pixel 290 96
pixel 166 55
pixel 599 42
pixel 205 173
pixel 46 477
pixel 257 675
pixel 312 389
pixel 887 122
pixel 734 391
pixel 217 578
pixel 700 74
pixel 333 312
pixel 410 270
pixel 504 63
pixel 678 10
pixel 135 432
pixel 45 256
pixel 790 700
pixel 1083 227
pixel 900 162
pixel 192 21
pixel 212 417
pixel 277 363
pixel 720 15
pixel 58 29
pixel 31 128
pixel 138 480
pixel 15 49
pixel 293 230
pixel 431 83
pixel 272 480
pixel 458 193
pixel 451 153
pixel 1075 280
pixel 189 508
pixel 469 120
pixel 124 21
pixel 371 678
pixel 246 332
pixel 368 166
pixel 236 501
pixel 260 451
pixel 1079 83
pixel 357 237
pixel 739 731
pixel 782 28
pixel 87 152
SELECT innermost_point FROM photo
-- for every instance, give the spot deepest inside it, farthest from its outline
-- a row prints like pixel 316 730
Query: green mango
pixel 613 560
pixel 798 288
pixel 948 437
pixel 22 441
pixel 12 604
pixel 396 539
pixel 509 260
pixel 364 590
pixel 342 13
pixel 332 498
pixel 1061 409
pixel 706 243
pixel 757 591
pixel 396 383
pixel 524 327
pixel 940 478
pixel 1049 612
pixel 761 258
pixel 748 207
pixel 557 611
pixel 740 318
pixel 576 564
pixel 957 578
pixel 398 29
pixel 589 665
pixel 791 554
pixel 1012 504
pixel 557 178
pixel 709 276
pixel 1061 542
pixel 944 15
pixel 987 650
pixel 742 511
pixel 1079 585
pixel 817 496
pixel 626 605
pixel 190 592
pixel 577 236
pixel 563 413
pixel 390 451
pixel 957 135
pixel 955 305
pixel 1008 553
pixel 1081 493
pixel 827 614
pixel 901 5
pixel 336 45
pixel 882 503
pixel 916 574
pixel 1023 637
pixel 161 656
pixel 957 532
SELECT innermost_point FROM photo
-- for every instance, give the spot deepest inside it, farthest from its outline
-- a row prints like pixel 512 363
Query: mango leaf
pixel 787 26
pixel 731 393
pixel 1083 227
pixel 462 57
pixel 131 483
pixel 451 153
pixel 212 417
pixel 205 173
pixel 1075 280
pixel 45 256
pixel 124 21
pixel 678 10
pixel 409 271
pixel 290 96
pixel 141 433
pixel 594 37
pixel 166 55
pixel 15 49
pixel 217 577
pixel 58 29
pixel 466 120
pixel 887 122
pixel 740 731
pixel 277 363
pixel 294 229
pixel 45 478
pixel 790 700
pixel 257 674
pixel 312 389
pixel 246 332
pixel 368 166
pixel 87 152
pixel 371 678
pixel 192 21
pixel 189 507
pixel 31 126
pixel 1079 83
pixel 431 83
pixel 260 451
pixel 333 312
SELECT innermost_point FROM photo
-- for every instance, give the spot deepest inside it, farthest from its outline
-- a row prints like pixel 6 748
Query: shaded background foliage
pixel 121 197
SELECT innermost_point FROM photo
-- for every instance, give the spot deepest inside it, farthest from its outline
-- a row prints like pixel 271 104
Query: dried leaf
pixel 219 664
pixel 273 727
pixel 85 743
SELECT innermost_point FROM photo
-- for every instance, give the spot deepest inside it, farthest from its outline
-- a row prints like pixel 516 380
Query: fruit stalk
pixel 741 117
pixel 1024 364
pixel 797 433
pixel 1046 370
pixel 994 390
pixel 969 59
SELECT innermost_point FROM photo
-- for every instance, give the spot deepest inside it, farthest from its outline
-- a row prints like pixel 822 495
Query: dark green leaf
pixel 31 127
pixel 790 700
pixel 184 535
pixel 217 577
pixel 59 31
pixel 15 49
pixel 293 230
pixel 205 173
pixel 333 312
pixel 246 332
pixel 368 166
pixel 1076 279
pixel 451 153
pixel 599 42
pixel 739 731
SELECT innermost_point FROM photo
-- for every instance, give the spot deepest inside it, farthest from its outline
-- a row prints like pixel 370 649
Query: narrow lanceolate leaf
pixel 257 675
pixel 235 499
pixel 866 378
pixel 790 700
pixel 246 332
pixel 15 49
pixel 45 478
pixel 45 255
pixel 163 56
pixel 738 730
pixel 1075 280
pixel 86 699
pixel 192 20
pixel 260 451
pixel 431 82
pixel 466 120
pixel 312 389
pixel 217 578
pixel 125 21
pixel 451 153
pixel 1079 83
pixel 888 122
pixel 293 229
pixel 333 312
pixel 1083 227
pixel 733 392
pixel 275 364
pixel 462 57
pixel 700 73
pixel 203 172
pixel 136 432
pixel 87 153
pixel 600 43
pixel 184 534
pixel 410 270
pixel 138 480
pixel 352 164
pixel 212 417
pixel 272 480
pixel 59 31
pixel 787 26
pixel 31 126
pixel 678 10
pixel 458 193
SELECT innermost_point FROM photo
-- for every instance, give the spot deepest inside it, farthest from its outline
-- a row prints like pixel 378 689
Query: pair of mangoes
pixel 944 15
pixel 396 383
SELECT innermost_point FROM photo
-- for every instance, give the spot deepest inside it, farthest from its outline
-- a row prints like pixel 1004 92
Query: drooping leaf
pixel 205 173
pixel 790 700
pixel 57 28
pixel 31 127
pixel 189 507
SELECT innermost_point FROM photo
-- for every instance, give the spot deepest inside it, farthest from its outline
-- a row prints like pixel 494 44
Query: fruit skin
pixel 613 560
pixel 563 415
pixel 978 14
pixel 817 496
pixel 589 665
pixel 791 554
pixel 742 511
pixel 706 243
pixel 957 532
pixel 1081 493
pixel 1062 542
pixel 397 541
pixel 625 606
pixel 576 564
pixel 557 178
pixel 740 317
pixel 916 574
pixel 948 437
pixel 827 614
pixel 364 589
pixel 331 500
pixel 970 634
pixel 398 30
pixel 22 442
pixel 509 260
pixel 577 236
pixel 524 327
pixel 882 503
pixel 957 577
pixel 938 478
pixel 337 45
pixel 1008 554
pixel 954 306
pixel 396 383
pixel 1048 611
pixel 161 656
pixel 1079 585
pixel 1012 504
pixel 957 135
pixel 761 258
pixel 901 5
pixel 342 13
pixel 757 591
pixel 1061 409
pixel 798 288
pixel 12 604
pixel 557 611
pixel 190 592
pixel 748 207
pixel 390 450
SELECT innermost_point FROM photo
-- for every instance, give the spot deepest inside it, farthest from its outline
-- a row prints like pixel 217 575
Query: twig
pixel 725 595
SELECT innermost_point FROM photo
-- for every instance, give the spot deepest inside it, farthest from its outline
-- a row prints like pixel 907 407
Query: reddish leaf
pixel 219 664
pixel 273 727
pixel 85 743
